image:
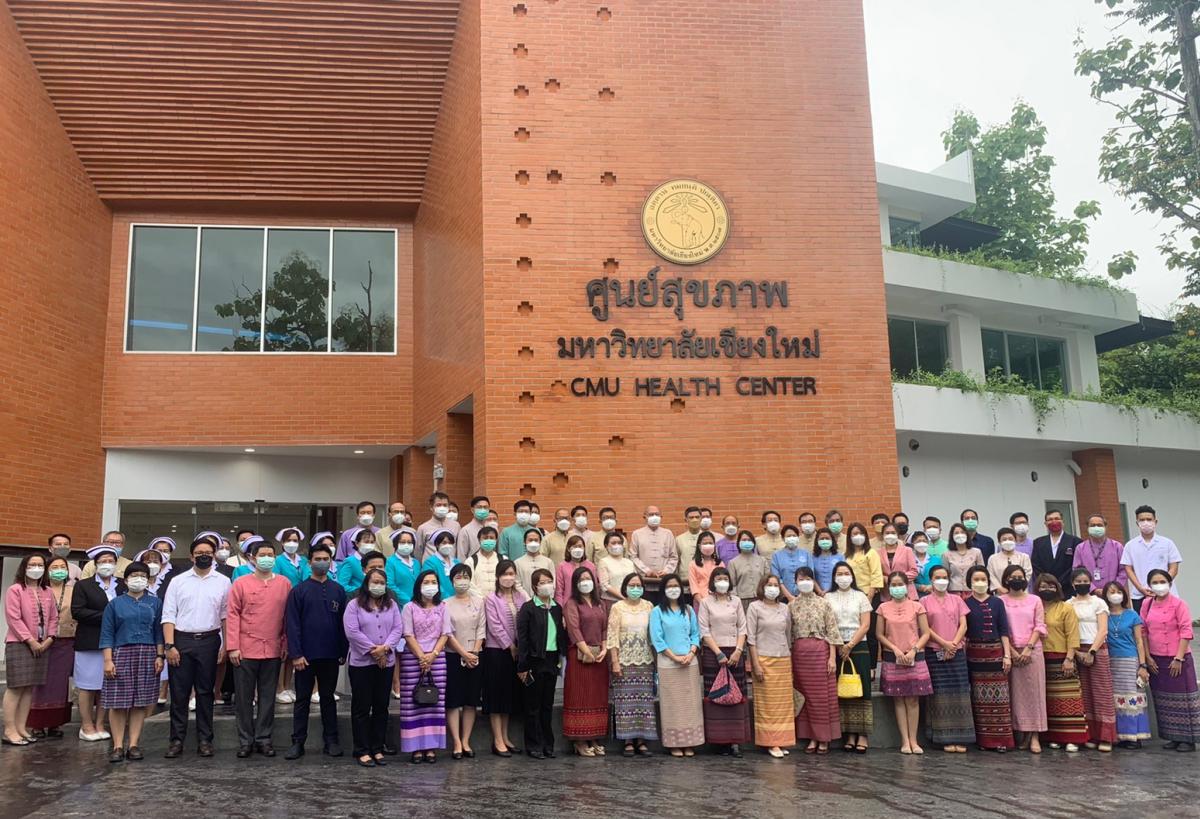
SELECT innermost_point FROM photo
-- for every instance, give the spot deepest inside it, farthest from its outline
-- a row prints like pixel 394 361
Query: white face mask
pixel 428 591
pixel 404 549
pixel 792 541
pixel 291 547
pixel 1008 545
pixel 941 584
pixel 843 581
pixel 563 524
pixel 1021 529
pixel 440 512
pixel 586 586
pixel 608 524
pixel 933 533
pixel 653 520
pixel 522 518
pixel 36 572
pixel 858 540
pixel 616 549
pixel 376 590
pixel 452 515
pixel 920 547
pixel 706 523
pixel 137 585
pixel 577 553
pixel 581 521
pixel 706 549
pixel 808 528
pixel 366 548
pixel 533 547
pixel 545 590
pixel 673 593
pixel 773 527
pixel 1116 599
pixel 398 519
pixel 722 586
pixel 462 584
pixel 534 517
pixel 446 549
pixel 891 539
pixel 1146 527
pixel 1160 588
pixel 222 555
pixel 959 538
pixel 731 530
pixel 804 586
pixel 104 569
pixel 980 587
pixel 771 592
pixel 366 520
pixel 154 569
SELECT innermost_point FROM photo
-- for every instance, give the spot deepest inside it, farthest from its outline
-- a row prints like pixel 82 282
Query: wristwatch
pixel 168 646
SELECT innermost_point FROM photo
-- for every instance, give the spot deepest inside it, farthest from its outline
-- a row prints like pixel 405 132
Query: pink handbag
pixel 725 690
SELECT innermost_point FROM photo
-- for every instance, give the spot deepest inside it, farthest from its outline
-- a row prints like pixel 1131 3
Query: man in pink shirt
pixel 653 551
pixel 255 647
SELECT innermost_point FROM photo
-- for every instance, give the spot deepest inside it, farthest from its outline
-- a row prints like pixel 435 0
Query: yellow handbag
pixel 849 684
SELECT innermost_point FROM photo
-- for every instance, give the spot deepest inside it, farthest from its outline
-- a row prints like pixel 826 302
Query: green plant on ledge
pixel 981 259
pixel 1045 402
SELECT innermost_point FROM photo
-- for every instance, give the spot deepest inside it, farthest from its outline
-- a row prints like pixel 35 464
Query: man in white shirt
pixel 193 622
pixel 439 508
pixel 1149 550
pixel 467 542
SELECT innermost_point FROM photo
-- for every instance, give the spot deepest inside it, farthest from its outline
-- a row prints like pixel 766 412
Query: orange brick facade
pixel 1096 490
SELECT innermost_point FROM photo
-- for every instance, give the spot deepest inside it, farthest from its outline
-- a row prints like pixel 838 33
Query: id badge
pixel 1097 576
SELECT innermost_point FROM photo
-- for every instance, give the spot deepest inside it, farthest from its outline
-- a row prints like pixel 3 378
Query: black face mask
pixel 1016 584
pixel 1047 594
pixel 1083 588
pixel 902 529
pixel 203 561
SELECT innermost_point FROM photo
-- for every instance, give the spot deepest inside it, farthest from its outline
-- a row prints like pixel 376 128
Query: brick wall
pixel 54 238
pixel 1096 491
pixel 227 399
pixel 766 101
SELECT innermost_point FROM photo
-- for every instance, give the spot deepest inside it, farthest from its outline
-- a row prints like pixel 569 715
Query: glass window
pixel 904 232
pixel 229 295
pixel 917 345
pixel 1039 362
pixel 364 287
pixel 297 290
pixel 162 287
pixel 1068 512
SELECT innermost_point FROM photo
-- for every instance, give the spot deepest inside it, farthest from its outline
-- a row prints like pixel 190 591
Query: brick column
pixel 417 481
pixel 456 448
pixel 1096 490
pixel 395 479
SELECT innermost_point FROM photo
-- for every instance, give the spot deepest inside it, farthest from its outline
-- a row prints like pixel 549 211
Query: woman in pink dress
pixel 1027 628
pixel 903 631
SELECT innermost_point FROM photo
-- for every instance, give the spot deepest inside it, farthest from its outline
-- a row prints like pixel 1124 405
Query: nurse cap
pixel 159 540
pixel 103 549
pixel 318 537
pixel 279 535
pixel 250 541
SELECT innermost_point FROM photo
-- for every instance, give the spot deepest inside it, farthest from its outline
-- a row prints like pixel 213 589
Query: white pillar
pixel 965 338
pixel 1083 367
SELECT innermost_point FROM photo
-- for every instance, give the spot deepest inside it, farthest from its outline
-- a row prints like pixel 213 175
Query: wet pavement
pixel 68 778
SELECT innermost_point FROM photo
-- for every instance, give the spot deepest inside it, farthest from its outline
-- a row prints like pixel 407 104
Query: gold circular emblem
pixel 685 221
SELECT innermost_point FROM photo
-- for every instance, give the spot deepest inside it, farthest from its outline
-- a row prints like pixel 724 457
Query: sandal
pixel 776 752
pixel 14 742
pixel 643 750
pixel 678 754
pixel 598 750
pixel 628 749
pixel 688 752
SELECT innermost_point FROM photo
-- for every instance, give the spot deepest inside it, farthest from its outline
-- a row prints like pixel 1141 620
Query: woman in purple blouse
pixel 427 626
pixel 500 655
pixel 374 628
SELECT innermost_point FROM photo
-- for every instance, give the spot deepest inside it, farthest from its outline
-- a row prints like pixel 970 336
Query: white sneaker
pixel 192 704
pixel 337 697
pixel 316 697
pixel 290 695
pixel 103 734
pixel 86 737
pixel 162 702
pixel 395 695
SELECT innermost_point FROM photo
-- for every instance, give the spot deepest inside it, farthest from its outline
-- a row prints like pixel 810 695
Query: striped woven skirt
pixel 136 684
pixel 680 703
pixel 1028 688
pixel 585 700
pixel 818 718
pixel 774 713
pixel 1095 680
pixel 22 669
pixel 1064 704
pixel 422 727
pixel 991 703
pixel 1133 723
pixel 858 715
pixel 951 721
pixel 52 700
pixel 1176 700
pixel 905 680
pixel 724 724
pixel 633 702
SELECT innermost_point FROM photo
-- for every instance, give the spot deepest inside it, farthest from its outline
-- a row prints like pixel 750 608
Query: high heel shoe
pixel 495 752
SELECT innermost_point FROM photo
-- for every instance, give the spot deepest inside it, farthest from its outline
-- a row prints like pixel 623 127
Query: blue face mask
pixel 825 545
pixel 634 592
pixel 746 545
pixel 265 562
pixel 481 515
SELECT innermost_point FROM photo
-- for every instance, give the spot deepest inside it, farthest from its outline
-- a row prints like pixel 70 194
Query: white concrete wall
pixel 949 473
pixel 204 476
pixel 1174 479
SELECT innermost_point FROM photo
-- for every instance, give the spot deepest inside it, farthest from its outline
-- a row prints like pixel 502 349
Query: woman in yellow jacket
pixel 864 561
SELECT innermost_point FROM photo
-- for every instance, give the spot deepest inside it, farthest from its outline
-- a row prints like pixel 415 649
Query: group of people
pixel 659 637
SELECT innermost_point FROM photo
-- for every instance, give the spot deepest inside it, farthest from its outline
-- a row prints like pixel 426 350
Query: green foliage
pixel 1152 156
pixel 1167 368
pixel 1013 193
pixel 981 257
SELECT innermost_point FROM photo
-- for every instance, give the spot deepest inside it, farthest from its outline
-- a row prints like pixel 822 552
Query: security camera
pixel 914 444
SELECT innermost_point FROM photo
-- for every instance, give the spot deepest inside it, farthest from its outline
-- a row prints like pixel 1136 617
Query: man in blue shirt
pixel 985 545
pixel 317 646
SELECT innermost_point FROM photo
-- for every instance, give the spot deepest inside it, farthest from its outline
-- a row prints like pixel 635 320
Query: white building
pixel 999 454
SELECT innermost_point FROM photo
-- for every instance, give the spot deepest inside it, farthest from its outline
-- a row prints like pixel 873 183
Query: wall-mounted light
pixel 1033 476
pixel 914 444
pixel 1145 483
pixel 248 449
pixel 1075 468
pixel 358 452
pixel 905 472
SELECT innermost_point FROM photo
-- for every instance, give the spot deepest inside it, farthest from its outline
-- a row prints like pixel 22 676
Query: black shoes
pixel 174 750
pixel 244 752
pixel 295 752
pixel 265 748
pixel 134 754
pixel 504 753
pixel 332 749
pixel 535 754
pixel 205 749
pixel 117 755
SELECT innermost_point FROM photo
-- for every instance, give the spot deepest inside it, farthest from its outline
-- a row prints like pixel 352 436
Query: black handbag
pixel 426 693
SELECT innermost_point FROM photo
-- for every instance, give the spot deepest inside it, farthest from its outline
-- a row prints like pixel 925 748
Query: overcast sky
pixel 930 57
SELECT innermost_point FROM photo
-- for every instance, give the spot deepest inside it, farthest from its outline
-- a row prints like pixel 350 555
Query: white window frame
pixel 262 351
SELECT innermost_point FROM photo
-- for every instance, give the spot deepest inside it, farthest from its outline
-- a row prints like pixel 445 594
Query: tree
pixel 1013 192
pixel 1152 156
pixel 1169 366
pixel 296 296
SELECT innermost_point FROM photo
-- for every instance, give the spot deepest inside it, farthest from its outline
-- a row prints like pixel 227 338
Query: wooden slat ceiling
pixel 263 100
